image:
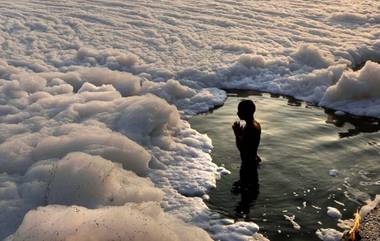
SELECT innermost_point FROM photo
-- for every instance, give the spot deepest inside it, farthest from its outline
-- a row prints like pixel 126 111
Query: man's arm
pixel 238 140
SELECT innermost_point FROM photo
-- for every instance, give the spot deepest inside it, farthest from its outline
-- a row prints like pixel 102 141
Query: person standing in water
pixel 247 141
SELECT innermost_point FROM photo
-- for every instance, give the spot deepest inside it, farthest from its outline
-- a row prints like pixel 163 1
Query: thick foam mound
pixel 96 140
pixel 89 181
pixel 56 142
pixel 137 222
pixel 356 92
pixel 312 56
pixel 88 111
pixel 76 179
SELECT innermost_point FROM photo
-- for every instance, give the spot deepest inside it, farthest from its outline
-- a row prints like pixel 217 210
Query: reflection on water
pixel 247 200
pixel 359 124
pixel 300 144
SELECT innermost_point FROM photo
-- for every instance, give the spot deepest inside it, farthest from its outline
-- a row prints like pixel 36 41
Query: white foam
pixel 334 212
pixel 333 172
pixel 89 181
pixel 84 111
pixel 329 234
pixel 356 92
pixel 312 56
pixel 139 222
pixel 223 171
pixel 339 113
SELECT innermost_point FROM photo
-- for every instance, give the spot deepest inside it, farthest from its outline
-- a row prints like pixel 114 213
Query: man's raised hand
pixel 237 128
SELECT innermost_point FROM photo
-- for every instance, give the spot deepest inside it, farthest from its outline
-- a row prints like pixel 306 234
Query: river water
pixel 312 159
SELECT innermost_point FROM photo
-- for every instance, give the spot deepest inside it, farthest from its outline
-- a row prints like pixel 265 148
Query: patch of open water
pixel 300 145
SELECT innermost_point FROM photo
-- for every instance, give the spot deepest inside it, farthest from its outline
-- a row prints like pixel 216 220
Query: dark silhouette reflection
pixel 248 198
pixel 294 102
pixel 242 93
pixel 291 100
pixel 273 95
pixel 247 93
pixel 359 124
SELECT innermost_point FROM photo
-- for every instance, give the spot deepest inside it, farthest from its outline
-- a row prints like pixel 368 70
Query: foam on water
pixel 93 98
pixel 331 234
pixel 334 212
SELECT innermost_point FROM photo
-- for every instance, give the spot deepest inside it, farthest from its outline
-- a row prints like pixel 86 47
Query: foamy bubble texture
pixel 94 99
pixel 142 222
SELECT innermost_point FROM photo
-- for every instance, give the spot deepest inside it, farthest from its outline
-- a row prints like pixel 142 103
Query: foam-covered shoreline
pixel 308 74
pixel 91 137
pixel 94 97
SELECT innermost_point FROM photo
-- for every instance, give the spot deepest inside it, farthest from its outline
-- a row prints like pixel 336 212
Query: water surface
pixel 300 144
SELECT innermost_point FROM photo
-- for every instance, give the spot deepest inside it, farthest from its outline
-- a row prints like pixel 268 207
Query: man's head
pixel 246 109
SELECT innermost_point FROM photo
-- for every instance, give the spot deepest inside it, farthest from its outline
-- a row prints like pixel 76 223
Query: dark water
pixel 300 144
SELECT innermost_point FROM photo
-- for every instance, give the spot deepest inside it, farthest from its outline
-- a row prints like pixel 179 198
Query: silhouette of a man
pixel 247 141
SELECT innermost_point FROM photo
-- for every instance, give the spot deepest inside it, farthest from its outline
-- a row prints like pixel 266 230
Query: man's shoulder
pixel 257 125
pixel 253 129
